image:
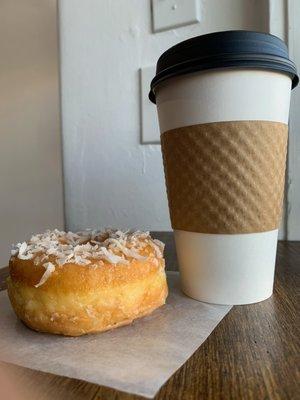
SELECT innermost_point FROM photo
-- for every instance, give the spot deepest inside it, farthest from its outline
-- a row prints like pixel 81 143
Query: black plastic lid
pixel 228 49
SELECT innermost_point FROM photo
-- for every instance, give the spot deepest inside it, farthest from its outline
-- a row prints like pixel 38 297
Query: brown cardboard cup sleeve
pixel 225 177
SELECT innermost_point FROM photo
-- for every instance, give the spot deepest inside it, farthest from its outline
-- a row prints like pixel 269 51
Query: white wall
pixel 31 188
pixel 110 178
pixel 293 192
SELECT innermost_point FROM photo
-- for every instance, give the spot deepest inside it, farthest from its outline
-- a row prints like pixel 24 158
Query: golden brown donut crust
pixel 79 299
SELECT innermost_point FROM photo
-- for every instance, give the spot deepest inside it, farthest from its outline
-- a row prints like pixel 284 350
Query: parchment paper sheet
pixel 137 358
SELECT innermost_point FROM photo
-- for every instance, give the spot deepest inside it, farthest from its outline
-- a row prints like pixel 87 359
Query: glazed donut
pixel 85 282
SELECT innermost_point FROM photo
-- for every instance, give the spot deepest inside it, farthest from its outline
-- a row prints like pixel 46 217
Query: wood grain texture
pixel 252 354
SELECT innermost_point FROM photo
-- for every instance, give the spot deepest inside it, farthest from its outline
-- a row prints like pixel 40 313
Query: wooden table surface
pixel 252 354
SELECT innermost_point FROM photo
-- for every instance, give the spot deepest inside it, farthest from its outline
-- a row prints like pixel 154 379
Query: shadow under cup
pixel 224 141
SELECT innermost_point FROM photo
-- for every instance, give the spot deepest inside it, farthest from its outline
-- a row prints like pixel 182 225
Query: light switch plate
pixel 169 14
pixel 150 127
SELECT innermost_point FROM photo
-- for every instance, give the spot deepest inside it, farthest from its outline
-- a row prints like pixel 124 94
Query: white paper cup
pixel 225 268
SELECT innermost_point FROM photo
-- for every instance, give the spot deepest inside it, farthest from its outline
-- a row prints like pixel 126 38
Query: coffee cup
pixel 223 107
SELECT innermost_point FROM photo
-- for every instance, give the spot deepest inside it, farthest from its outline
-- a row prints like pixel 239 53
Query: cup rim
pixel 221 50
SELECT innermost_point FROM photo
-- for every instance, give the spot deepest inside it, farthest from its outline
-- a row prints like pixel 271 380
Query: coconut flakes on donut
pixel 50 268
pixel 86 247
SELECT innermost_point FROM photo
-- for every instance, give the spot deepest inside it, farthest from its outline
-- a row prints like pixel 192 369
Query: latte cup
pixel 223 107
